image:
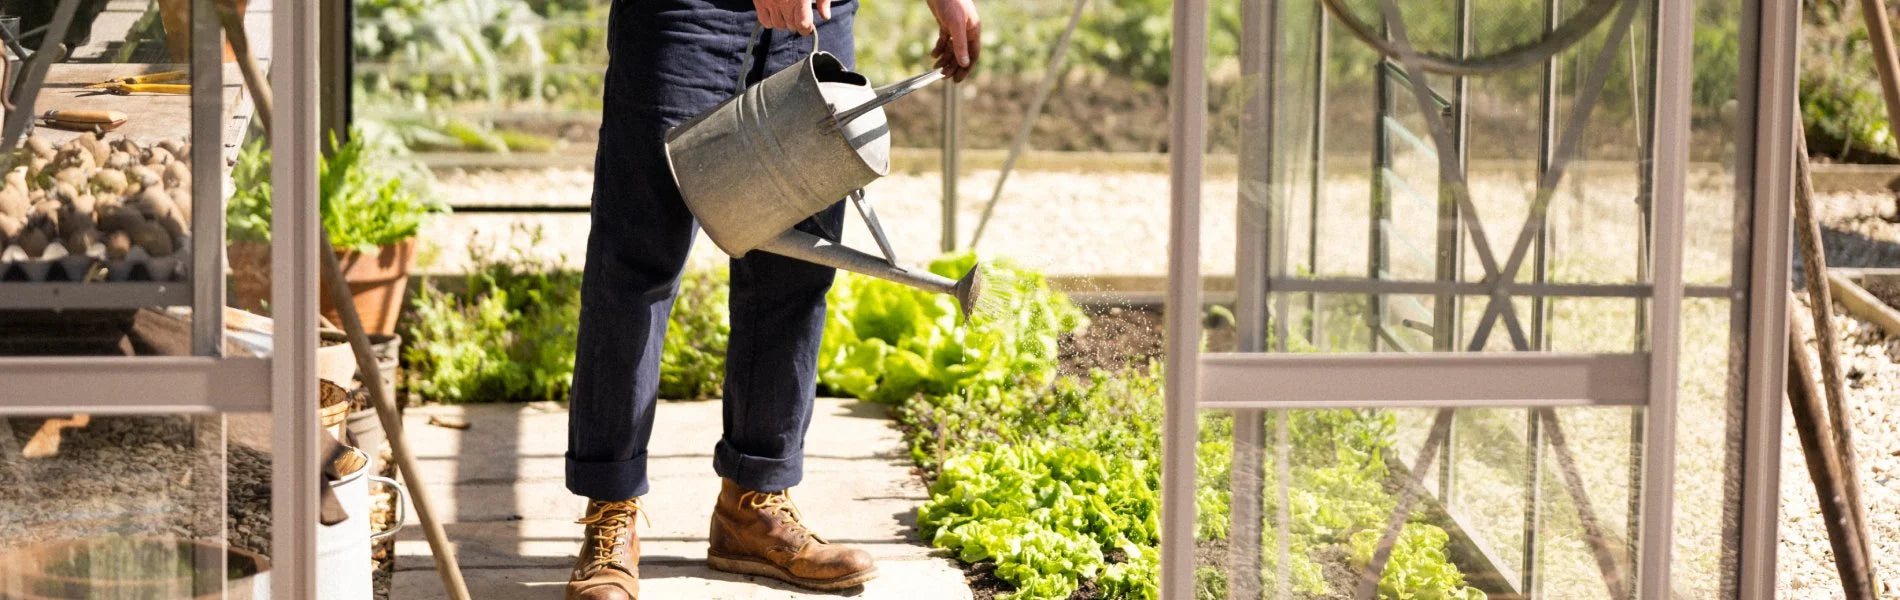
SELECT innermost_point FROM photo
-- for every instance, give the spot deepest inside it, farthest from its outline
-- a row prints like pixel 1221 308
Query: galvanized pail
pixel 784 149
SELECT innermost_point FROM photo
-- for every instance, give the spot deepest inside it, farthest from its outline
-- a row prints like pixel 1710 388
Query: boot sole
pixel 751 566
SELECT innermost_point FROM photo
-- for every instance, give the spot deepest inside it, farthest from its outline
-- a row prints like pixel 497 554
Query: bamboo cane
pixel 445 563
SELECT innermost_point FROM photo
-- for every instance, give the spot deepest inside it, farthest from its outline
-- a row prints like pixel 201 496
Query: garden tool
pixel 150 83
pixel 156 82
pixel 99 121
pixel 792 145
pixel 164 77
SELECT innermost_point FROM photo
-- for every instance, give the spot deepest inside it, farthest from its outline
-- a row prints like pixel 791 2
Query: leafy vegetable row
pixel 1056 480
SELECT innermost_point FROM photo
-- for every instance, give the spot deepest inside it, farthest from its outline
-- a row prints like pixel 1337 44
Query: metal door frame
pixel 209 384
pixel 1199 381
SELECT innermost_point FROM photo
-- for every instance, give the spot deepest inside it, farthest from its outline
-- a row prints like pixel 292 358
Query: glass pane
pixel 96 506
pixel 1357 201
pixel 1453 503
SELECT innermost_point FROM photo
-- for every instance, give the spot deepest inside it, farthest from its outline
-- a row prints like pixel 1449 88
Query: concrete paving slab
pixel 901 580
pixel 499 486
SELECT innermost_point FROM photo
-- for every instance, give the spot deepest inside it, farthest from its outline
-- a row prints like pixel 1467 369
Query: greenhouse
pixel 958 299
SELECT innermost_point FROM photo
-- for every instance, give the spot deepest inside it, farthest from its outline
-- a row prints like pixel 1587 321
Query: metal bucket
pixel 343 549
pixel 784 149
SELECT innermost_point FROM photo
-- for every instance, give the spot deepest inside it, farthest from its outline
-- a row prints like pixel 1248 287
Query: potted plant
pixel 372 209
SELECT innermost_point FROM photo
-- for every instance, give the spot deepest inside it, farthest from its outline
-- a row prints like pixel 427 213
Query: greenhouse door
pixel 1509 286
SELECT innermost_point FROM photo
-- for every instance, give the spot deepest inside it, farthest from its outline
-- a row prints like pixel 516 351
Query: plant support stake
pixel 1821 304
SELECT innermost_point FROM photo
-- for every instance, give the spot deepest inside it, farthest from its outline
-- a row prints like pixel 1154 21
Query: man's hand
pixel 959 37
pixel 790 14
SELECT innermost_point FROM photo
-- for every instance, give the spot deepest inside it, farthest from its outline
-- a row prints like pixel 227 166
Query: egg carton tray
pixel 56 264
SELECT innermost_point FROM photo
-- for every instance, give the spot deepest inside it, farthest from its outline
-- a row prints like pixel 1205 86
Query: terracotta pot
pixel 44 571
pixel 176 16
pixel 250 274
pixel 377 284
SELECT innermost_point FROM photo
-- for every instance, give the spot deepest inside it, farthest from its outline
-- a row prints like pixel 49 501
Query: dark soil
pixel 1115 339
pixel 983 582
pixel 1123 337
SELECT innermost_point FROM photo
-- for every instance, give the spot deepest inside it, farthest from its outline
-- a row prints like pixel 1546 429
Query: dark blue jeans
pixel 669 61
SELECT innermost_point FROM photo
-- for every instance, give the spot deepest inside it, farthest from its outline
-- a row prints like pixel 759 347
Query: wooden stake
pixel 1880 36
pixel 1810 422
pixel 1840 416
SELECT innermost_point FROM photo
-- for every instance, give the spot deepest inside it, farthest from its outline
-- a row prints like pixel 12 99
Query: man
pixel 671 60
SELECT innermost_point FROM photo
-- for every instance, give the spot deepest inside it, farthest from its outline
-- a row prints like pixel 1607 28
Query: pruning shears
pixel 152 83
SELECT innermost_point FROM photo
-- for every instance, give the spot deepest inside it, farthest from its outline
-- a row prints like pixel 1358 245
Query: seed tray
pixel 56 264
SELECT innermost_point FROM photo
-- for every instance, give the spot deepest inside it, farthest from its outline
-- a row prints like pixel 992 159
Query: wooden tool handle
pixel 95 117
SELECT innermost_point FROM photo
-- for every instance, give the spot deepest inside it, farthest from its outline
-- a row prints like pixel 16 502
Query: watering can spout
pixel 810 248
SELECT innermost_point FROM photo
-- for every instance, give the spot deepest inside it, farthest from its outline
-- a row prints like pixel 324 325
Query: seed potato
pixel 154 203
pixel 81 241
pixel 143 175
pixel 96 146
pixel 33 241
pixel 109 180
pixel 153 238
pixel 177 175
pixel 73 175
pixel 40 147
pixel 13 201
pixel 175 226
pixel 120 218
pixel 10 228
pixel 118 243
pixel 181 203
pixel 49 214
pixel 157 157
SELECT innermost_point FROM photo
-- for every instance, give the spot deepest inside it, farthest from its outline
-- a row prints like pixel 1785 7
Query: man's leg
pixel 640 237
pixel 778 319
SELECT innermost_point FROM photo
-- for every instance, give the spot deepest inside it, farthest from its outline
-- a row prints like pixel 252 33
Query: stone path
pixel 498 487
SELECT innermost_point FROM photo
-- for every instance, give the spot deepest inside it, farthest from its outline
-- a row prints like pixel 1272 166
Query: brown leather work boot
pixel 609 565
pixel 759 533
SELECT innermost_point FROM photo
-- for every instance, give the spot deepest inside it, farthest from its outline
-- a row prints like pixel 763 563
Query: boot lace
pixel 607 524
pixel 779 503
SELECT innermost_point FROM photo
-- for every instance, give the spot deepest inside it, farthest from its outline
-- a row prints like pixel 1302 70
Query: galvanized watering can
pixel 789 147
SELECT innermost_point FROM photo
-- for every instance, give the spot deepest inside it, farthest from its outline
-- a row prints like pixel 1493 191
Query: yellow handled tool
pixel 165 77
pixel 124 89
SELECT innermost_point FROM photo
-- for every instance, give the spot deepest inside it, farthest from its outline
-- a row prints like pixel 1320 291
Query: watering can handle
pixel 889 94
pixel 401 502
pixel 758 31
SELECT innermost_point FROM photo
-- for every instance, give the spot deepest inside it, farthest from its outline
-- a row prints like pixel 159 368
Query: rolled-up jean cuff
pixel 756 472
pixel 608 480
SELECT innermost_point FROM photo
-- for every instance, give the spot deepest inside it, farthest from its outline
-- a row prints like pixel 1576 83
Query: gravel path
pixel 1072 223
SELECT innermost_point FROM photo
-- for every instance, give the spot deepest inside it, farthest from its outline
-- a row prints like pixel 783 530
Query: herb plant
pixel 367 197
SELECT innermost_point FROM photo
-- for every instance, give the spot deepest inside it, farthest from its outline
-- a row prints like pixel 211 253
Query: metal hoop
pixel 1573 30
